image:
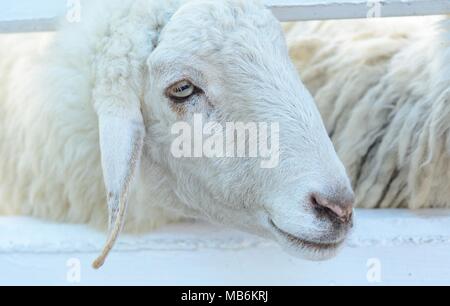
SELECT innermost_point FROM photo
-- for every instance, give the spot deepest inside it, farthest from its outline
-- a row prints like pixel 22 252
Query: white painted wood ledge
pixel 408 248
pixel 43 15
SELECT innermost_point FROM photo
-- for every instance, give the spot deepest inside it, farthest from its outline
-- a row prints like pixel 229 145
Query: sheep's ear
pixel 120 73
pixel 117 95
pixel 121 141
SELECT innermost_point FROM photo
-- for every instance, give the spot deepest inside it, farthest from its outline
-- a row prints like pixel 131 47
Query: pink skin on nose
pixel 340 206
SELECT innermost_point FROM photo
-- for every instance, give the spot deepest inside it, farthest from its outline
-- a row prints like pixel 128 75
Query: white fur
pixel 115 66
pixel 383 88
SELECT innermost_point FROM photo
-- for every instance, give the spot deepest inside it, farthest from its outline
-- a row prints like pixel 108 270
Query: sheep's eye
pixel 181 90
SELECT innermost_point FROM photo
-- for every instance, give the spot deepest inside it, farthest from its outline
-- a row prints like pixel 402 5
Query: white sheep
pixel 383 89
pixel 93 106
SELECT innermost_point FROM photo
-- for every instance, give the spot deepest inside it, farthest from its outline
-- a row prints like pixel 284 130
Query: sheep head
pixel 220 62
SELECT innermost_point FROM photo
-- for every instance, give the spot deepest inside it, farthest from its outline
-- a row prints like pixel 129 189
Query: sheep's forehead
pixel 206 26
pixel 229 42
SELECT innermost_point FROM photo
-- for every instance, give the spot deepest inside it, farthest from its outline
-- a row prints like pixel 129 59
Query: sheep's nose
pixel 338 206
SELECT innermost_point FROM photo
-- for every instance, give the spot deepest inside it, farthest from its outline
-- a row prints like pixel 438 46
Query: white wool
pixel 49 143
pixel 383 89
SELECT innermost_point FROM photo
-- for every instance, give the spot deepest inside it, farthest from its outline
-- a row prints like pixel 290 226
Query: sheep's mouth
pixel 306 244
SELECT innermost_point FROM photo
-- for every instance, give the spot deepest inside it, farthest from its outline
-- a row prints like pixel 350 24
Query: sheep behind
pixel 383 88
pixel 34 133
pixel 50 161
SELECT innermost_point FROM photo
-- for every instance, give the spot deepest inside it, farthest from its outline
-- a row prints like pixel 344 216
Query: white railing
pixel 41 15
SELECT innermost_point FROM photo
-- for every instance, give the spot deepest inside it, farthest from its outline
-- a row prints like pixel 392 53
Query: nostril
pixel 335 207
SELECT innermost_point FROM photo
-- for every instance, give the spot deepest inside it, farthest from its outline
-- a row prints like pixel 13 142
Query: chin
pixel 307 249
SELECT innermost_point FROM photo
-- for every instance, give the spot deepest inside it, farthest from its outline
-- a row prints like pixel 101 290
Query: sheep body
pixel 383 88
pixel 50 159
